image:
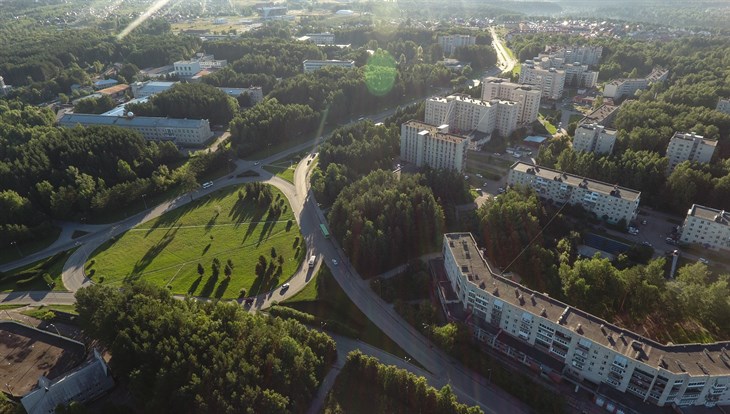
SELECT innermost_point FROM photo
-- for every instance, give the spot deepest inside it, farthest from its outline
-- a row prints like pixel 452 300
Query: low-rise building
pixel 608 202
pixel 105 83
pixel 464 114
pixel 149 88
pixel 723 105
pixel 603 115
pixel 4 89
pixel 449 43
pixel 116 91
pixel 526 96
pixel 550 81
pixel 312 65
pixel 708 227
pixel 319 38
pixel 620 88
pixel 201 64
pixel 183 132
pixel 594 138
pixel 689 147
pixel 423 144
pixel 559 340
pixel 84 384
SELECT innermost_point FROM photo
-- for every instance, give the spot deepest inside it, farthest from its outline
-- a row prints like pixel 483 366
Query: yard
pixel 193 249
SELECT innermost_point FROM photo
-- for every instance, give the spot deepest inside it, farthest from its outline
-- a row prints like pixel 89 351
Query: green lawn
pixel 166 251
pixel 21 250
pixel 42 310
pixel 324 298
pixel 31 277
pixel 551 129
pixel 283 169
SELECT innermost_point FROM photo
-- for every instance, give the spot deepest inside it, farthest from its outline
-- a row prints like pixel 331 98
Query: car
pixel 646 243
pixel 466 177
pixel 703 261
pixel 497 154
pixel 334 262
pixel 643 222
pixel 670 240
pixel 256 163
pixel 501 190
pixel 479 175
pixel 478 190
pixel 284 287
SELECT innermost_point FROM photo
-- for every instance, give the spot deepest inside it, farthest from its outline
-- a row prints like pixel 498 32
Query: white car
pixel 334 262
pixel 703 261
pixel 284 287
pixel 256 163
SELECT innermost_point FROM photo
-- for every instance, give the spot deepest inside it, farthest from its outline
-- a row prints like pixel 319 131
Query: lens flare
pixel 380 72
pixel 142 17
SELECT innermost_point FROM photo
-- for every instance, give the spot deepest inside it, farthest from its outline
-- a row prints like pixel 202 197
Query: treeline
pixel 95 105
pixel 278 57
pixel 364 385
pixel 191 357
pixel 382 220
pixel 191 101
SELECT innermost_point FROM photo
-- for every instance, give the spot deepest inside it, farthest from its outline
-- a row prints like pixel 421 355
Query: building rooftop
pixel 599 115
pixel 435 131
pixel 121 111
pixel 469 99
pixel 710 214
pixel 352 62
pixel 694 359
pixel 114 89
pixel 691 136
pixel 135 121
pixel 577 181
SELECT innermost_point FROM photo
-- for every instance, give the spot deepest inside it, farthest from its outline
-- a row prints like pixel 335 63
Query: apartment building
pixel 594 138
pixel 526 97
pixel 312 65
pixel 723 105
pixel 424 144
pixel 689 147
pixel 584 55
pixel 579 76
pixel 707 226
pixel 188 69
pixel 620 88
pixel 184 132
pixel 559 340
pixel 603 115
pixel 464 114
pixel 608 202
pixel 550 81
pixel 449 43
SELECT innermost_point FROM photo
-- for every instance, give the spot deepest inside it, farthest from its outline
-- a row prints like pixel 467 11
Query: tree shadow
pixel 151 253
pixel 194 285
pixel 209 285
pixel 209 225
pixel 222 287
pixel 268 226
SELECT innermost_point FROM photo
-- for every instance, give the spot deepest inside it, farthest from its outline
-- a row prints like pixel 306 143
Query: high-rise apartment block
pixel 423 144
pixel 465 115
pixel 559 340
pixel 550 81
pixel 585 55
pixel 708 227
pixel 449 43
pixel 608 202
pixel 594 138
pixel 526 97
pixel 689 147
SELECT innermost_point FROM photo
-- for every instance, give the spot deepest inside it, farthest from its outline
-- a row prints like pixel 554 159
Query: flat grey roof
pixel 137 121
pixel 710 214
pixel 434 130
pixel 574 180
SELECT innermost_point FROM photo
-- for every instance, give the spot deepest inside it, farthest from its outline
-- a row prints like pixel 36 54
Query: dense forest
pixel 382 220
pixel 193 357
pixel 364 385
pixel 189 101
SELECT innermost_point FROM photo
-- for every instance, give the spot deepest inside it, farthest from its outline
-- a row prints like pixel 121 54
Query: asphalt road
pixel 506 63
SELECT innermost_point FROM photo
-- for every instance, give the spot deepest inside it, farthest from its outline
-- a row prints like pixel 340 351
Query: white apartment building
pixel 594 138
pixel 585 55
pixel 312 65
pixel 708 227
pixel 184 132
pixel 190 68
pixel 449 43
pixel 608 202
pixel 619 88
pixel 424 144
pixel 518 321
pixel 549 81
pixel 319 38
pixel 526 97
pixel 464 114
pixel 689 147
pixel 579 75
pixel 723 105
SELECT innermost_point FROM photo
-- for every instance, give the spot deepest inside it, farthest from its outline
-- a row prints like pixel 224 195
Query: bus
pixel 325 233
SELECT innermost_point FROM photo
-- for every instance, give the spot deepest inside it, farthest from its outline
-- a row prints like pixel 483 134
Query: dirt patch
pixel 27 354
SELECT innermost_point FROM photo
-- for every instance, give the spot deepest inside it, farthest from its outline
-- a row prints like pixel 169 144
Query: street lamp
pixel 144 201
pixel 14 243
pixel 54 327
pixel 489 371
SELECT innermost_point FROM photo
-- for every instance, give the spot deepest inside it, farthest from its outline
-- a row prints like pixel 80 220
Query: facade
pixel 579 75
pixel 585 55
pixel 449 43
pixel 4 89
pixel 312 65
pixel 188 69
pixel 85 384
pixel 424 144
pixel 550 82
pixel 255 92
pixel 708 227
pixel 608 202
pixel 689 147
pixel 526 97
pixel 184 132
pixel 558 339
pixel 619 88
pixel 319 38
pixel 465 115
pixel 594 138
pixel 275 12
pixel 723 105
